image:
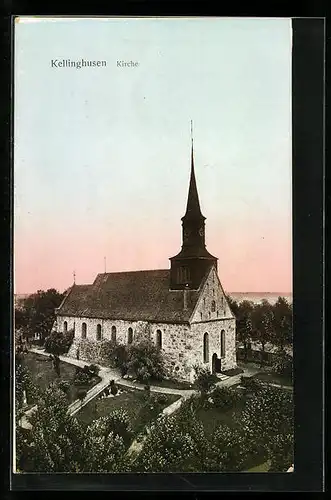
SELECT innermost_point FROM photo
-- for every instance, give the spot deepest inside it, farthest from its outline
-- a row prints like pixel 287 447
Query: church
pixel 183 310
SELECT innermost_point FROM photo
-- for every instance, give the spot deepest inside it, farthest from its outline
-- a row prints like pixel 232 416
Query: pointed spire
pixel 193 205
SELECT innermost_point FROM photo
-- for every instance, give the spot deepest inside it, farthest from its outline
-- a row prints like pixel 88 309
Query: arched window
pixel 201 316
pixel 98 332
pixel 65 326
pixel 130 335
pixel 159 339
pixel 206 348
pixel 113 333
pixel 84 328
pixel 222 344
pixel 213 306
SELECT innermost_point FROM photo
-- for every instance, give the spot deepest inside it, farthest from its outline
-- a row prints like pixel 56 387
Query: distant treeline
pixel 263 322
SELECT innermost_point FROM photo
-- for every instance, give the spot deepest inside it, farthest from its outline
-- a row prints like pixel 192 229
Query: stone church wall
pixel 213 329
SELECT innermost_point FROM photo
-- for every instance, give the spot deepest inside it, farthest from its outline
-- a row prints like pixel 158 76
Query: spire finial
pixel 74 274
pixel 192 133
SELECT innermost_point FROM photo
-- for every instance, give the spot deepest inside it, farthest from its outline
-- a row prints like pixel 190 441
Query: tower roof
pixel 193 210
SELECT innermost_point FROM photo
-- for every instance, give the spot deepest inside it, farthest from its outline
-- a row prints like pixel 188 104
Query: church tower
pixel 188 268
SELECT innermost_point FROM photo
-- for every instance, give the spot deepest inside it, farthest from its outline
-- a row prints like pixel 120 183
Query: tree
pixel 204 380
pixel 282 323
pixel 229 449
pixel 145 361
pixel 267 421
pixel 37 314
pixel 59 443
pixel 244 324
pixel 103 450
pixel 283 364
pixel 233 304
pixel 57 343
pixel 262 320
pixel 167 448
pixel 119 356
pixel 56 438
pixel 23 382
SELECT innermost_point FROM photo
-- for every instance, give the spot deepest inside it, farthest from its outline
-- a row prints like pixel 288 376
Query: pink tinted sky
pixel 102 155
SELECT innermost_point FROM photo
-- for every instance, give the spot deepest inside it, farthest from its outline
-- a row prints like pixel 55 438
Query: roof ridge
pixel 137 271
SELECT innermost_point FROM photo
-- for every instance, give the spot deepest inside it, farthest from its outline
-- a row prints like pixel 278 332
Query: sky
pixel 102 154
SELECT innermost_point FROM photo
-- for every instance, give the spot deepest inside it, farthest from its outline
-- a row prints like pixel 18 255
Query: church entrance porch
pixel 215 364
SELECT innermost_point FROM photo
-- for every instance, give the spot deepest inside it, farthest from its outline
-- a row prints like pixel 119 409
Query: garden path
pixel 107 374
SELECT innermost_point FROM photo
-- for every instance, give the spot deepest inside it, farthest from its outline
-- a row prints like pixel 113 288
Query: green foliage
pixel 145 361
pixel 102 451
pixel 37 313
pixel 281 452
pixel 94 369
pixel 161 399
pixel 267 420
pixel 81 394
pixel 251 384
pixel 118 422
pixel 283 364
pixel 58 343
pixel 113 388
pixel 64 385
pixel 230 449
pixel 263 322
pixel 23 382
pixel 58 443
pixel 119 357
pixel 82 377
pixel 177 443
pixel 204 379
pixel 55 437
pixel 225 398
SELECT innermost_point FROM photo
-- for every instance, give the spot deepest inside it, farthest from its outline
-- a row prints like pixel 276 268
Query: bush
pixel 113 388
pixel 162 399
pixel 81 394
pixel 82 376
pixel 118 422
pixel 204 380
pixel 251 384
pixel 94 369
pixel 59 343
pixel 64 385
pixel 224 398
pixel 283 364
pixel 145 361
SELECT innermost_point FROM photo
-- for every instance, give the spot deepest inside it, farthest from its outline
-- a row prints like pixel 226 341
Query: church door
pixel 214 363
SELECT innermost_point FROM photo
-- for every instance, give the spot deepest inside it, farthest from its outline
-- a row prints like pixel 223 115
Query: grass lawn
pixel 172 384
pixel 273 378
pixel 260 468
pixel 131 400
pixel 43 373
